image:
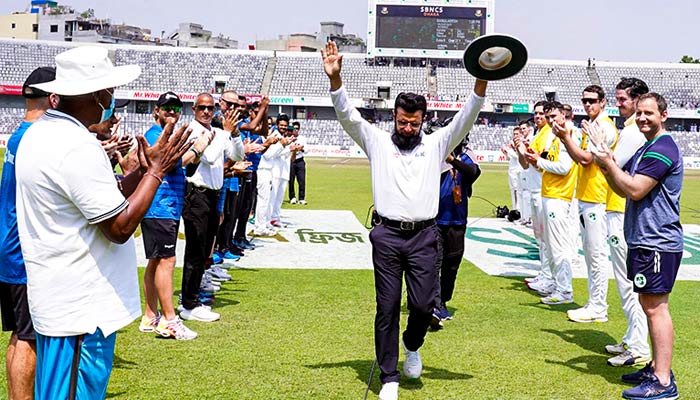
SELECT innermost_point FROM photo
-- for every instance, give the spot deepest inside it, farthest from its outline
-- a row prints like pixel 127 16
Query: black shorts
pixel 652 272
pixel 15 311
pixel 159 237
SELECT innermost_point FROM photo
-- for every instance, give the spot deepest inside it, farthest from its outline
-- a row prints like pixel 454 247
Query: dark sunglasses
pixel 175 109
pixel 230 103
pixel 202 108
pixel 589 101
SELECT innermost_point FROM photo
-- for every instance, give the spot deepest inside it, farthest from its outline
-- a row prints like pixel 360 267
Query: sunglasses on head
pixel 589 101
pixel 202 108
pixel 175 109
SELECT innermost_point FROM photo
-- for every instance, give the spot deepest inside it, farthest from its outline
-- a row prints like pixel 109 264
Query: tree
pixel 88 14
pixel 689 60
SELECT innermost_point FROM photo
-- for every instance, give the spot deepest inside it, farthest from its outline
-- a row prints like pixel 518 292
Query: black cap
pixel 39 75
pixel 120 103
pixel 170 99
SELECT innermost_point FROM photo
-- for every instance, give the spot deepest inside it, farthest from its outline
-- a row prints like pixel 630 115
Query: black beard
pixel 405 143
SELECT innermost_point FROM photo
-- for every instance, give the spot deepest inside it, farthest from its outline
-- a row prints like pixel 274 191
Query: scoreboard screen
pixel 426 30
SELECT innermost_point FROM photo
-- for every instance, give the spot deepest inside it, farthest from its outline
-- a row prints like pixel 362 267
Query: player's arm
pixel 635 187
pixel 561 167
pixel 573 147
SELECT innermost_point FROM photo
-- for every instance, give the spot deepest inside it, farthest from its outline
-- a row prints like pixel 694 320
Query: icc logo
pixel 478 13
pixel 384 11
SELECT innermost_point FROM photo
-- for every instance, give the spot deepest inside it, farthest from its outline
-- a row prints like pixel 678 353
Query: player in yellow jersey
pixel 591 192
pixel 543 283
pixel 558 183
pixel 634 348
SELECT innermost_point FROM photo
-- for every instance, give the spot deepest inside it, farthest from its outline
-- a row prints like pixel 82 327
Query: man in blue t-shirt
pixel 160 227
pixel 652 181
pixel 460 173
pixel 21 350
pixel 252 131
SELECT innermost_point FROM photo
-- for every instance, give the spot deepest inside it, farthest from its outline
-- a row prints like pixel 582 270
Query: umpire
pixel 405 169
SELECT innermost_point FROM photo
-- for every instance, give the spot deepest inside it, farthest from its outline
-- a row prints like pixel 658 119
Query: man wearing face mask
pixel 405 168
pixel 76 222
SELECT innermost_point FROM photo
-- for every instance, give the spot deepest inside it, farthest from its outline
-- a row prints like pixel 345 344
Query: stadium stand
pixel 678 83
pixel 299 74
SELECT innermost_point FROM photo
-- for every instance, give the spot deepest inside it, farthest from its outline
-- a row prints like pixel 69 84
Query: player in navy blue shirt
pixel 455 189
pixel 652 181
pixel 21 350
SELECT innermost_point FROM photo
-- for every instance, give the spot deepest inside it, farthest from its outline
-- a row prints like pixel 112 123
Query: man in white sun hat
pixel 76 221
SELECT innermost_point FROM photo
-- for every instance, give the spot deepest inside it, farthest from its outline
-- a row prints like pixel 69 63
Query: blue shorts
pixel 651 271
pixel 62 368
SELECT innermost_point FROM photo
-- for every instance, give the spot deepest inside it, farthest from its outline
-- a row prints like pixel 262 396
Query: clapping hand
pixel 163 156
pixel 231 121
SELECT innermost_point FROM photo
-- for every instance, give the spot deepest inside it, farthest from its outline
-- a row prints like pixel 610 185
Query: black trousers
pixel 246 195
pixel 201 219
pixel 395 252
pixel 452 251
pixel 297 171
pixel 223 238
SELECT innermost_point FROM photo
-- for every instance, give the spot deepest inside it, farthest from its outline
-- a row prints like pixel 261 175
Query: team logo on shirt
pixel 640 280
pixel 552 215
pixel 614 241
pixel 592 217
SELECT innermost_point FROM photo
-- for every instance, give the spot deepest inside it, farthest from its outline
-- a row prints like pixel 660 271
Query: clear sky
pixel 614 30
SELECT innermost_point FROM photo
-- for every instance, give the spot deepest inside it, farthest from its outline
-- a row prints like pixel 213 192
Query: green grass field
pixel 308 334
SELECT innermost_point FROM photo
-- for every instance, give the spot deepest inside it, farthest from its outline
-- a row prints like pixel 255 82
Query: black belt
pixel 202 189
pixel 407 225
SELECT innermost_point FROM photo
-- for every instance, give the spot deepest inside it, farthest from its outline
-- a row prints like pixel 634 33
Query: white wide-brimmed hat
pixel 495 57
pixel 87 69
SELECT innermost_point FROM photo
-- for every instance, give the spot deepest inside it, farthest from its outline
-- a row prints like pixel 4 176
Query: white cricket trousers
pixel 262 207
pixel 513 183
pixel 279 185
pixel 556 234
pixel 594 234
pixel 537 214
pixel 637 330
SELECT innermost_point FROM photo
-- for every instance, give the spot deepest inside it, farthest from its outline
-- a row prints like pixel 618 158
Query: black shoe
pixel 436 322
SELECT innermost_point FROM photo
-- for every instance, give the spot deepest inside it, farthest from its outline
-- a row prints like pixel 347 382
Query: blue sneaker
pixel 642 375
pixel 243 244
pixel 217 258
pixel 652 389
pixel 443 313
pixel 230 256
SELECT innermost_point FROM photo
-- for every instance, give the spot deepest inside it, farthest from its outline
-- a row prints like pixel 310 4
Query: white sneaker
pixel 533 279
pixel 413 366
pixel 558 298
pixel 200 313
pixel 544 287
pixel 175 329
pixel 628 359
pixel 303 202
pixel 616 348
pixel 390 391
pixel 584 315
pixel 293 200
pixel 265 233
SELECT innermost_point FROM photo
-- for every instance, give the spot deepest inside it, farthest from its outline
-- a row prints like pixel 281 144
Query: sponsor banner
pixel 503 248
pixel 333 151
pixel 11 90
pixel 185 97
pixel 434 105
pixel 310 239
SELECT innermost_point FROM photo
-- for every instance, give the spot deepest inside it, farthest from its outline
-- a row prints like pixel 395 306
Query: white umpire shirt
pixel 210 172
pixel 405 184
